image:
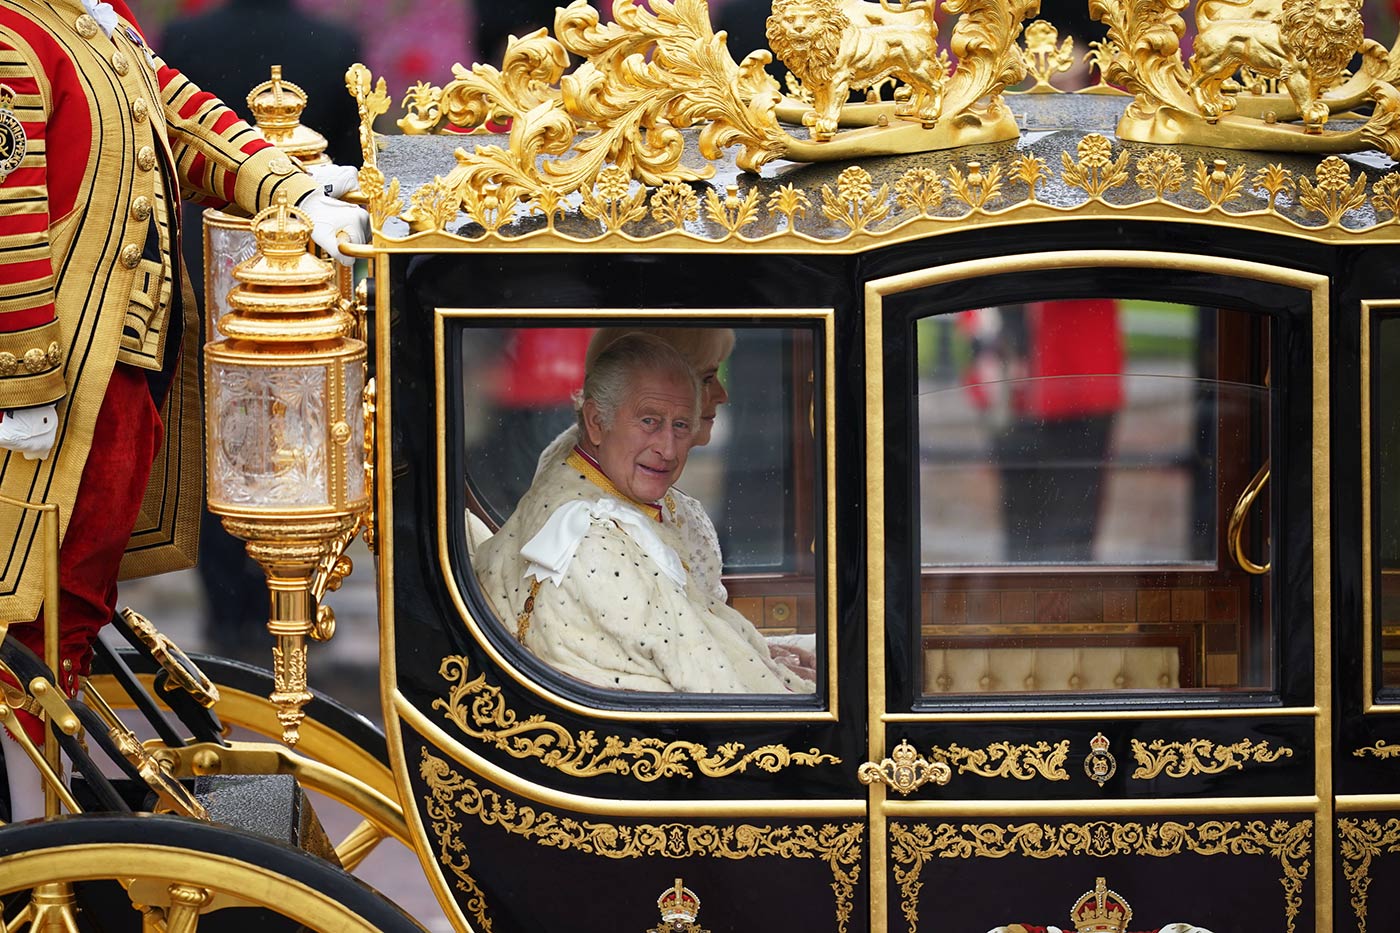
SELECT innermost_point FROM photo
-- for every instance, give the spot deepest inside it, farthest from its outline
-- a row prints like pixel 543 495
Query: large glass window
pixel 1079 466
pixel 1385 461
pixel 741 516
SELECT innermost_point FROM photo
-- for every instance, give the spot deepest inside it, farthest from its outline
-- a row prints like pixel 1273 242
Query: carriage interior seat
pixel 1048 668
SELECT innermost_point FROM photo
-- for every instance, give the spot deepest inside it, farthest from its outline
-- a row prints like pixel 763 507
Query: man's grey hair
pixel 702 347
pixel 613 373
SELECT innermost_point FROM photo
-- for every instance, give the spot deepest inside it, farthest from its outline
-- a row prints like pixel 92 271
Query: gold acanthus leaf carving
pixel 1146 41
pixel 1360 841
pixel 1380 749
pixel 1199 756
pixel 452 796
pixel 1008 760
pixel 479 710
pixel 914 845
pixel 985 42
pixel 527 78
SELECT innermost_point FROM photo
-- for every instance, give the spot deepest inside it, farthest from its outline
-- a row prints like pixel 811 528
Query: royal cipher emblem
pixel 13 142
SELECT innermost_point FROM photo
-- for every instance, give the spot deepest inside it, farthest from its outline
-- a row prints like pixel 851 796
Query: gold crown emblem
pixel 1099 743
pixel 7 97
pixel 1101 911
pixel 679 907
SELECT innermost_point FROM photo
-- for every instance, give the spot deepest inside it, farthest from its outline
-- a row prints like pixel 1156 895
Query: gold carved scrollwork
pixel 478 709
pixel 913 845
pixel 1199 756
pixel 1007 760
pixel 1360 841
pixel 1381 749
pixel 452 797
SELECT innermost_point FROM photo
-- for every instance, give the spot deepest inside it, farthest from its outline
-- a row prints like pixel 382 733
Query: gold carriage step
pixel 272 805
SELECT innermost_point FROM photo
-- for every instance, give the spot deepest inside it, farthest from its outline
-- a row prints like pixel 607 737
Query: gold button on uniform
pixel 146 158
pixel 120 64
pixel 281 165
pixel 86 26
pixel 139 110
pixel 141 208
pixel 131 255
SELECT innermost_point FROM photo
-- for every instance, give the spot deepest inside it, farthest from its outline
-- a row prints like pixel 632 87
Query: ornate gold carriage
pixel 1059 428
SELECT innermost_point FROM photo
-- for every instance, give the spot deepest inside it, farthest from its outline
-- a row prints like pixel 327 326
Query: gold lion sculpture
pixel 836 46
pixel 1305 44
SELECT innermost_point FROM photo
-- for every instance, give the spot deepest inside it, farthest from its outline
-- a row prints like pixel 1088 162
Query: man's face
pixel 643 451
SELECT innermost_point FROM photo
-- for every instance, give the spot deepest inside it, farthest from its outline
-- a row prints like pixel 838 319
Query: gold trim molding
pixel 1381 749
pixel 1199 756
pixel 914 845
pixel 452 796
pixel 1359 841
pixel 1007 760
pixel 478 709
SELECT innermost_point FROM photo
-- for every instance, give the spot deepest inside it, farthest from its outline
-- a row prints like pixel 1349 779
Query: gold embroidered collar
pixel 592 472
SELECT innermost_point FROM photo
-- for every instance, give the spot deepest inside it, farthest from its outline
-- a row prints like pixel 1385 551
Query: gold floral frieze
pixel 1361 841
pixel 1009 760
pixel 478 709
pixel 453 797
pixel 1199 756
pixel 1380 749
pixel 1094 179
pixel 914 845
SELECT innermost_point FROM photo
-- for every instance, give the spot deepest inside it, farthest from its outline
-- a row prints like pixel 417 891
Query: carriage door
pixel 1099 595
pixel 1367 751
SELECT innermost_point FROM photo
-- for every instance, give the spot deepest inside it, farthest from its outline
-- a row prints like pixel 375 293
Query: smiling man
pixel 588 571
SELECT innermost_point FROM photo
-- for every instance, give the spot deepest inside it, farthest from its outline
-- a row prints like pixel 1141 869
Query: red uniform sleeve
pixel 30 372
pixel 221 160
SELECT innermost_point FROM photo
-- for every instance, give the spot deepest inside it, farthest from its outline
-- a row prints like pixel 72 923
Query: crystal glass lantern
pixel 285 435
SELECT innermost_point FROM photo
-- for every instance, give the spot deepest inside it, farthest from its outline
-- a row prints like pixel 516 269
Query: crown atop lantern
pixel 1101 911
pixel 277 106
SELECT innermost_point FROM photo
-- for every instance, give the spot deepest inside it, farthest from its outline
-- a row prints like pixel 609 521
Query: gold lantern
pixel 286 436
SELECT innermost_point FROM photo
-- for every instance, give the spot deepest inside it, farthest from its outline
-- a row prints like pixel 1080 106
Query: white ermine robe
pixel 612 601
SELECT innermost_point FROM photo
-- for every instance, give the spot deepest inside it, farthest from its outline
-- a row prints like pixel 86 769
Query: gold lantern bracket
pixel 287 438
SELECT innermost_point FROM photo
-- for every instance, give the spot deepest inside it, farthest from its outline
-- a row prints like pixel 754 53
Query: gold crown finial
pixel 1101 911
pixel 282 231
pixel 7 97
pixel 277 106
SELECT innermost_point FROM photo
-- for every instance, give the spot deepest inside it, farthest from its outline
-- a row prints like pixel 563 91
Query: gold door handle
pixel 1235 529
pixel 905 770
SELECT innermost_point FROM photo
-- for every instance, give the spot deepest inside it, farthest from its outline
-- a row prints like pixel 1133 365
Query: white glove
pixel 30 431
pixel 335 180
pixel 330 218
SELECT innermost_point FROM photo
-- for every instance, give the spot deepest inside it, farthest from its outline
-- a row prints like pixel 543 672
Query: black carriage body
pixel 1254 804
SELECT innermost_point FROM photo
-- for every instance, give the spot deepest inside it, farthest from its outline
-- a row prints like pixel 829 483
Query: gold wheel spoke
pixel 356 847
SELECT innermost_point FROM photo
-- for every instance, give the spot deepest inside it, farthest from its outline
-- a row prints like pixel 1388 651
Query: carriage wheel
pixel 174 872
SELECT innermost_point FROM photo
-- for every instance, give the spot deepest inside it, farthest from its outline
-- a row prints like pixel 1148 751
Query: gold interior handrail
pixel 1235 530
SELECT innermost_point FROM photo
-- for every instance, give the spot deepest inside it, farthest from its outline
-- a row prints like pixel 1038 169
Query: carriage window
pixel 1079 466
pixel 699 572
pixel 1385 446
